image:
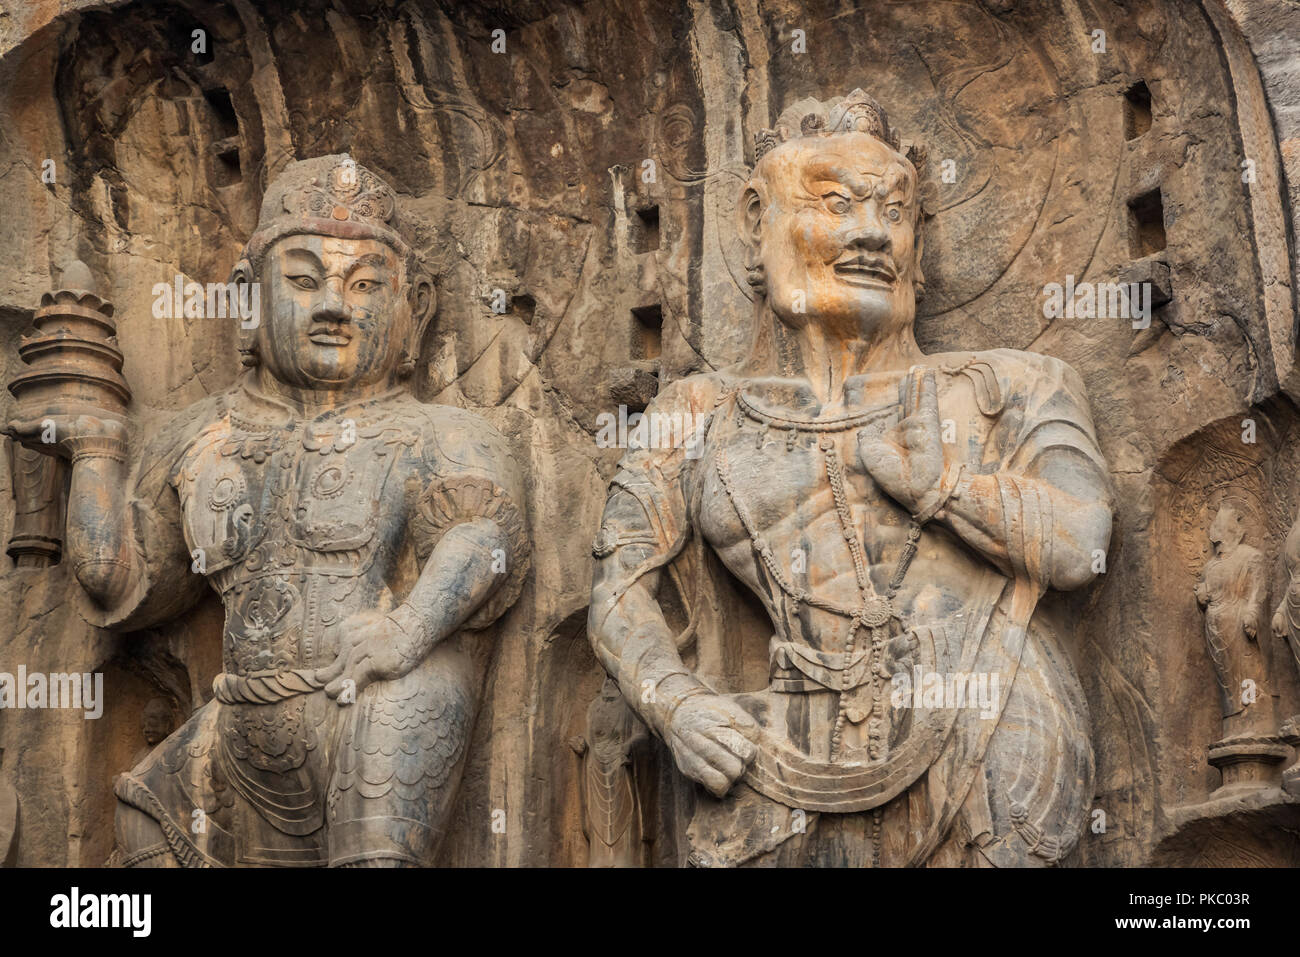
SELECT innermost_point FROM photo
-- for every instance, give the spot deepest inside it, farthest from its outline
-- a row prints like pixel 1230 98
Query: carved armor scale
pixel 301 526
pixel 287 516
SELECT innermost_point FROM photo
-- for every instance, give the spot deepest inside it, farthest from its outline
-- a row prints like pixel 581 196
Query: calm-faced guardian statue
pixel 357 537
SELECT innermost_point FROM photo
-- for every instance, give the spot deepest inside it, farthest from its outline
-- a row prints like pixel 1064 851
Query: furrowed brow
pixel 824 171
pixel 895 179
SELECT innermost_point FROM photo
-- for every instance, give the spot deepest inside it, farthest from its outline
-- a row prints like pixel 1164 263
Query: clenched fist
pixel 712 741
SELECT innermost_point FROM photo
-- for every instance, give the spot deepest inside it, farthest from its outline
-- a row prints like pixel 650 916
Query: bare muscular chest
pixel 803 497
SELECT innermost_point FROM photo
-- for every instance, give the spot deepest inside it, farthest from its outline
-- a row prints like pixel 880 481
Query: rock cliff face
pixel 573 171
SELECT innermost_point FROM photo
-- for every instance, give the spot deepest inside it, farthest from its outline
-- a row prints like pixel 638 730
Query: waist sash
pixel 265 687
pixel 784 773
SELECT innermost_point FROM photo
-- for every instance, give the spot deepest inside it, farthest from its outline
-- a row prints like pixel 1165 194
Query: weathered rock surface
pixel 575 195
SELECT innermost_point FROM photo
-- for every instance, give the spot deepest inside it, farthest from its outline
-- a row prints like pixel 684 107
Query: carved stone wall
pixel 586 179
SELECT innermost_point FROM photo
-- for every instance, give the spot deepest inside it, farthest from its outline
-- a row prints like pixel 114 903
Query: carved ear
pixel 918 251
pixel 424 300
pixel 243 273
pixel 751 216
pixel 424 303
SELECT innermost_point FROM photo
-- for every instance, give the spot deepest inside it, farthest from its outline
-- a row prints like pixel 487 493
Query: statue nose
pixel 867 231
pixel 331 307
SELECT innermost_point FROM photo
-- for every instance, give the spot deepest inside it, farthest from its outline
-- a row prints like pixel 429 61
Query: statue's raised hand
pixel 907 460
pixel 63 433
pixel 712 741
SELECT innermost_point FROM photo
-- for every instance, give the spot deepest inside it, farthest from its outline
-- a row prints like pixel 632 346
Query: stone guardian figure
pixel 1286 617
pixel 356 536
pixel 1286 626
pixel 1233 589
pixel 611 793
pixel 893 512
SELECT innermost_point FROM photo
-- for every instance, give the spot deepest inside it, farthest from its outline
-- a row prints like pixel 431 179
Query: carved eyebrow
pixel 298 252
pixel 824 171
pixel 827 171
pixel 369 259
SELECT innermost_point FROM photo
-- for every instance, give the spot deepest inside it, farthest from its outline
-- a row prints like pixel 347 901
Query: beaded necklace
pixel 874 612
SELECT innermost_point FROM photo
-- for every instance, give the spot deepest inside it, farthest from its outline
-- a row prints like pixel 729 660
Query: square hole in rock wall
pixel 647 332
pixel 1146 214
pixel 1137 110
pixel 645 230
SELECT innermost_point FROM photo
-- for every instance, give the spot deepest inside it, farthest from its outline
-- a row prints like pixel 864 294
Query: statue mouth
pixel 869 271
pixel 329 337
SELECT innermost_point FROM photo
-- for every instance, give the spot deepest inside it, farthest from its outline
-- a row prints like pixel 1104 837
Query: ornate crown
pixel 856 113
pixel 332 196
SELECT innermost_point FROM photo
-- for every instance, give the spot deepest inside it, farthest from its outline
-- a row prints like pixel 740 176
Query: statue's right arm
pixel 99 519
pixel 628 631
pixel 123 542
pixel 710 737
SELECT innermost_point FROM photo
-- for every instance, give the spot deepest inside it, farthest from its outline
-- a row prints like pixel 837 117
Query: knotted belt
pixel 799 667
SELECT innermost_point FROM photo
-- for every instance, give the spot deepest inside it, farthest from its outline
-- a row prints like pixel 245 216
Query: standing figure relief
pixel 1233 588
pixel 356 536
pixel 897 514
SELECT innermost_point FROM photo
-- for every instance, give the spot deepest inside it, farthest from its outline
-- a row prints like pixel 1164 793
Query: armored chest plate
pixel 268 503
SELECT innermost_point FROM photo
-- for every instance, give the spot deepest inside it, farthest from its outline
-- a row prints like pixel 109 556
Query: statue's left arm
pixel 472 546
pixel 1044 512
pixel 1256 595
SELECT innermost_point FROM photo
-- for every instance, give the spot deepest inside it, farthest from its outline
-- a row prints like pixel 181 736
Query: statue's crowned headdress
pixel 856 113
pixel 328 196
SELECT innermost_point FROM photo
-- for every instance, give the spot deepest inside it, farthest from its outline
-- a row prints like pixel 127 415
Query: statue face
pixel 336 312
pixel 1226 531
pixel 155 723
pixel 836 234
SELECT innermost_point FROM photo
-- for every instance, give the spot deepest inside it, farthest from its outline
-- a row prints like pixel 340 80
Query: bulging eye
pixel 894 214
pixel 838 204
pixel 363 285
